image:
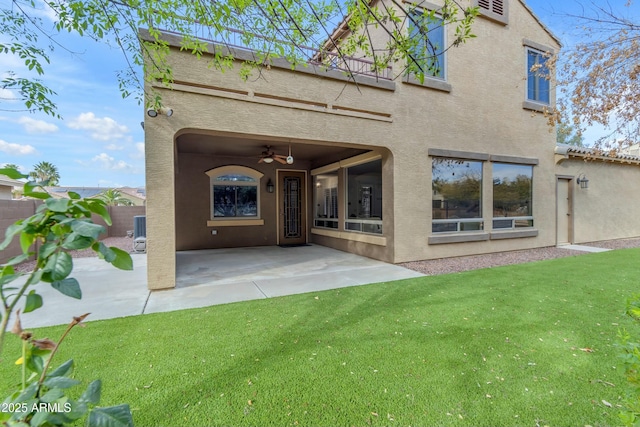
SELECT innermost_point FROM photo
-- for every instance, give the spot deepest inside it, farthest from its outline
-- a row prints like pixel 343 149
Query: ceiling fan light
pixel 268 159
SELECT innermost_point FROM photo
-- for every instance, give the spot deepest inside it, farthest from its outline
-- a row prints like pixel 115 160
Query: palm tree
pixel 11 166
pixel 113 197
pixel 45 171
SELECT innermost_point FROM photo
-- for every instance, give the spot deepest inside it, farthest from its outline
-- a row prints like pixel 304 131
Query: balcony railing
pixel 237 39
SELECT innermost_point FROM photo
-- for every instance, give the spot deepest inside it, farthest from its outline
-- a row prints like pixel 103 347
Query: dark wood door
pixel 292 215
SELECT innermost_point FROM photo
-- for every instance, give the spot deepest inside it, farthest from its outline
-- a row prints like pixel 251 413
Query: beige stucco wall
pixel 608 208
pixel 5 192
pixel 482 113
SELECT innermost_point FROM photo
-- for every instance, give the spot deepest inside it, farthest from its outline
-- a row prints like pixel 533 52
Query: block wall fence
pixel 14 210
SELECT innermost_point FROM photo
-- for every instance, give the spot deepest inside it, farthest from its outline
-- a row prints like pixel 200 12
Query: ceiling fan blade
pixel 279 160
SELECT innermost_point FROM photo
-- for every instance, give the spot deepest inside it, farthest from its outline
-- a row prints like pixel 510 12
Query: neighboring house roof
pixel 140 192
pixel 89 192
pixel 566 151
pixel 8 182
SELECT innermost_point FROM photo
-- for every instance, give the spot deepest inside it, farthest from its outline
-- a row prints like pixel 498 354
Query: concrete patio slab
pixel 583 248
pixel 208 277
pixel 106 293
pixel 201 296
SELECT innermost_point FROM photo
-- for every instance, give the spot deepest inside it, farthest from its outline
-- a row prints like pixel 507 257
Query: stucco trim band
pixel 277 102
pixel 517 234
pixel 437 152
pixel 234 222
pixel 429 83
pixel 355 237
pixel 514 159
pixel 535 106
pixel 458 238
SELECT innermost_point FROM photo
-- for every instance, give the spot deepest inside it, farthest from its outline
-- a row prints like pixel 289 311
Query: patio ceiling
pixel 234 146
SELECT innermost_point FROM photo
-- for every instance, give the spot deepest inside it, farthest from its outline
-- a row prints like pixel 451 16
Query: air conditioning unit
pixel 140 245
pixel 139 226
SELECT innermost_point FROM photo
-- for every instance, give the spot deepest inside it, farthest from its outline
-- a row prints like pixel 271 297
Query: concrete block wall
pixel 14 210
pixel 122 219
pixel 10 212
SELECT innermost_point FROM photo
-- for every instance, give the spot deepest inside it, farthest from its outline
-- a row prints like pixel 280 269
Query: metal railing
pixel 236 39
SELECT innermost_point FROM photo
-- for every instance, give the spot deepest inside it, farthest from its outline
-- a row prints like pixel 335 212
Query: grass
pixel 531 344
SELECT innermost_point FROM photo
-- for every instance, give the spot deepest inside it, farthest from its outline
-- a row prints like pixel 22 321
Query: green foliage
pixel 567 134
pixel 519 345
pixel 42 400
pixel 629 345
pixel 59 225
pixel 299 32
pixel 113 197
pixel 45 173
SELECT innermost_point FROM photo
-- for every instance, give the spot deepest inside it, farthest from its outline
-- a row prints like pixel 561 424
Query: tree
pixel 113 197
pixel 11 166
pixel 282 28
pixel 567 134
pixel 599 78
pixel 45 171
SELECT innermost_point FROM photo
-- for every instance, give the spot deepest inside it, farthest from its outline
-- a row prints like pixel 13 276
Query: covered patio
pixel 220 276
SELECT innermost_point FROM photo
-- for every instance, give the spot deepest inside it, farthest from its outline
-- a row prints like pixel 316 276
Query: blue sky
pixel 100 141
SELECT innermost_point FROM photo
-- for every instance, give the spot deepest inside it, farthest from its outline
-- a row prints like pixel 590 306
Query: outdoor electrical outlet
pixel 214 232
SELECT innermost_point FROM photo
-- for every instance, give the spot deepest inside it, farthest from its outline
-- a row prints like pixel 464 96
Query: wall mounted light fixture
pixel 582 181
pixel 152 112
pixel 270 186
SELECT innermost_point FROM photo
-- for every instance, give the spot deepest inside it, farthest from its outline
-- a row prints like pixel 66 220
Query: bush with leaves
pixel 58 226
pixel 629 345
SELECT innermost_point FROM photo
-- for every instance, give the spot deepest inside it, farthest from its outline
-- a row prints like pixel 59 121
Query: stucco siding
pixel 482 113
pixel 609 207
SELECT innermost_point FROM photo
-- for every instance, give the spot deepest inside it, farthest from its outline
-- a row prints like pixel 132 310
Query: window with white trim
pixel 457 195
pixel 512 196
pixel 326 200
pixel 235 193
pixel 538 76
pixel 426 29
pixel 364 197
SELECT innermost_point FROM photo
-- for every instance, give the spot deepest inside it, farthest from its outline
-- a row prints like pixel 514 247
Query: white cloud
pixel 37 126
pixel 114 147
pixel 139 153
pixel 16 149
pixel 101 129
pixel 7 96
pixel 109 184
pixel 108 162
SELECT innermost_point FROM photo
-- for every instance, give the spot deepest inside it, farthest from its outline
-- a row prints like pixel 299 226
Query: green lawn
pixel 517 345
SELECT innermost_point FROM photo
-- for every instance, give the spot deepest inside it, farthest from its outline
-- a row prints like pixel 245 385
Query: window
pixel 537 77
pixel 457 195
pixel 364 197
pixel 326 200
pixel 428 53
pixel 512 196
pixel 234 193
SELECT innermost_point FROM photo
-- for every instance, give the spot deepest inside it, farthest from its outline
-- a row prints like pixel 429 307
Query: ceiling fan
pixel 268 156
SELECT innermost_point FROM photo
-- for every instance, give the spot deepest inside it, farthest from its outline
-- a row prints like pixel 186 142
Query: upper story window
pixel 496 10
pixel 234 192
pixel 538 77
pixel 429 52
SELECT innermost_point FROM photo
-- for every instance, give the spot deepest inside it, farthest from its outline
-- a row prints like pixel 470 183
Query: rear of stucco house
pixel 389 168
